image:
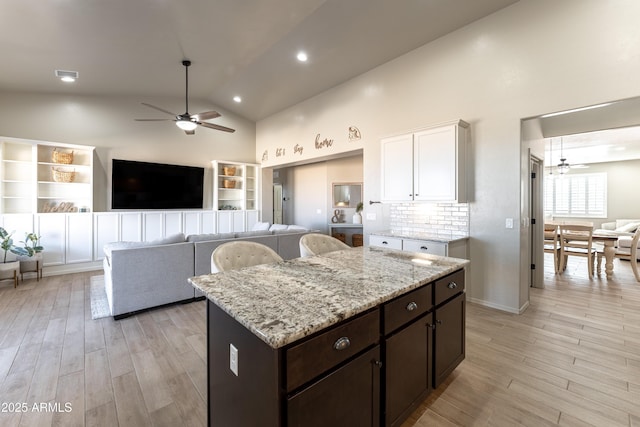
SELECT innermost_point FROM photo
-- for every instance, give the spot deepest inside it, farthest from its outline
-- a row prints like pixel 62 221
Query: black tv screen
pixel 142 185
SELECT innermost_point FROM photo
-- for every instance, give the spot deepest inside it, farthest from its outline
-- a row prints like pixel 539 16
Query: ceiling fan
pixel 189 122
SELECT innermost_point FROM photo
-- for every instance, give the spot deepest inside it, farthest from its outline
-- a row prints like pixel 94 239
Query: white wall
pixel 533 57
pixel 107 123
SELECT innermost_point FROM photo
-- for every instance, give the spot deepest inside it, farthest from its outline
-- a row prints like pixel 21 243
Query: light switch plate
pixel 233 359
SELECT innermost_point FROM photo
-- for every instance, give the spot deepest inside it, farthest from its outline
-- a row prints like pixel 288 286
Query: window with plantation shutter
pixel 576 195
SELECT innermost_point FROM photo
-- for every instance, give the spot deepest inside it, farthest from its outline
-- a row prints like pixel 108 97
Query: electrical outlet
pixel 233 359
pixel 371 216
pixel 509 223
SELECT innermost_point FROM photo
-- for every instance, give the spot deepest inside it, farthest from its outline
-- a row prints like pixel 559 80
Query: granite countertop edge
pixel 281 339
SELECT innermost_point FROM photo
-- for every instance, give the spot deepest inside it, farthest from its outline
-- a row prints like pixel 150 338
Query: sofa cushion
pixel 297 228
pixel 625 242
pixel 173 238
pixel 276 227
pixel 207 237
pixel 253 233
pixel 259 226
pixel 629 227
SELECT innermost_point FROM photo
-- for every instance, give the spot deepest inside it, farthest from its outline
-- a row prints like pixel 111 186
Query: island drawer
pixel 449 286
pixel 407 307
pixel 385 242
pixel 319 354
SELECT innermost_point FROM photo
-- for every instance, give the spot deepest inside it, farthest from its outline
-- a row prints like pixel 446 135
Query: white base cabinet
pixel 458 248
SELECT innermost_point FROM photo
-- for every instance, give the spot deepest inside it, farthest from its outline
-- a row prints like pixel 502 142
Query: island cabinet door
pixel 348 396
pixel 449 337
pixel 407 369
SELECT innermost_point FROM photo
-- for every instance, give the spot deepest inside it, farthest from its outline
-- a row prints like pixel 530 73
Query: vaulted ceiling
pixel 238 47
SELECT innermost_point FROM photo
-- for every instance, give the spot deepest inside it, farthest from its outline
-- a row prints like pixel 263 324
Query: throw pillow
pixel 628 228
pixel 276 227
pixel 259 226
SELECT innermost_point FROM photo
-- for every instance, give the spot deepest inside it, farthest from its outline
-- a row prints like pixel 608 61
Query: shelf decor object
pixel 61 157
pixel 61 175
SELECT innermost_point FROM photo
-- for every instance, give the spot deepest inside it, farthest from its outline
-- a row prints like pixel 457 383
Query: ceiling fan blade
pixel 207 115
pixel 217 127
pixel 158 108
pixel 190 132
pixel 153 120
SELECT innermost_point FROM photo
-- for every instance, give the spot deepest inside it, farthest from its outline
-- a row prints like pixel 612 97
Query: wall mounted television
pixel 142 185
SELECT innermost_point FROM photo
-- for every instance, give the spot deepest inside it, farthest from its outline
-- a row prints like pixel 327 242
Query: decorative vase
pixel 31 264
pixel 357 218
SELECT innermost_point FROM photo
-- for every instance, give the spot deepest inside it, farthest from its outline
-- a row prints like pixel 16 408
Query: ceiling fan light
pixel 186 125
pixel 563 166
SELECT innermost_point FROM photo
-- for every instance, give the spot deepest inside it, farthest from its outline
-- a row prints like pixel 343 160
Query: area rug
pixel 99 303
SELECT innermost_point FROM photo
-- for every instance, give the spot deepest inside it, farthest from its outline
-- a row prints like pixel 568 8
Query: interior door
pixel 277 204
pixel 537 222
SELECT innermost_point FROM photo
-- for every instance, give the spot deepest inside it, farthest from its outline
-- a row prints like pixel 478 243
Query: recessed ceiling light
pixel 67 76
pixel 237 98
pixel 302 57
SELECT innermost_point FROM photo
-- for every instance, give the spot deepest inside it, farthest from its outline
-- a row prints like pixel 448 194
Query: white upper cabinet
pixel 428 165
pixel 397 168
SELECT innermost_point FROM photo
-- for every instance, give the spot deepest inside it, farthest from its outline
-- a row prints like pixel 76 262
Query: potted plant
pixel 6 243
pixel 357 217
pixel 31 254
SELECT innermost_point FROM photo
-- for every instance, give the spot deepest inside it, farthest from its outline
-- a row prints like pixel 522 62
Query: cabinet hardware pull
pixel 378 363
pixel 452 285
pixel 439 322
pixel 342 344
pixel 424 248
pixel 384 242
pixel 412 306
pixel 417 195
pixel 431 325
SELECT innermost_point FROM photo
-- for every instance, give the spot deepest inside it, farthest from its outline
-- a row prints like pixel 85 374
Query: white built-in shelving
pixel 27 171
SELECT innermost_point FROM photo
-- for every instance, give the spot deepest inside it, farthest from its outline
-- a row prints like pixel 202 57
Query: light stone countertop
pixel 283 302
pixel 440 237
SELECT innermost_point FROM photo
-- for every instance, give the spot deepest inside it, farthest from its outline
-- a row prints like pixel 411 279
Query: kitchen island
pixel 353 337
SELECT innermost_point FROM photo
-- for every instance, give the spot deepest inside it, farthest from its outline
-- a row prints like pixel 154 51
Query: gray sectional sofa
pixel 143 275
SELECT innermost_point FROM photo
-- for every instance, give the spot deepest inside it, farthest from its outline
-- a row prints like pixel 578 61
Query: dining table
pixel 608 242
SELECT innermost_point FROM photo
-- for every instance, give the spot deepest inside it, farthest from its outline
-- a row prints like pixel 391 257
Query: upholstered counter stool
pixel 316 244
pixel 235 255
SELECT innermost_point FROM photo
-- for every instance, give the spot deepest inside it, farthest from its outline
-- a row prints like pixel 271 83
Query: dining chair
pixel 552 244
pixel 235 255
pixel 631 254
pixel 577 240
pixel 315 244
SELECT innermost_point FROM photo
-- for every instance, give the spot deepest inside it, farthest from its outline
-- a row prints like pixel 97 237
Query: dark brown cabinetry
pixel 371 369
pixel 407 369
pixel 449 317
pixel 346 397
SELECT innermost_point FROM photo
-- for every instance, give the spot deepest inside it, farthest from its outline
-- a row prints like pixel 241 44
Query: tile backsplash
pixel 445 219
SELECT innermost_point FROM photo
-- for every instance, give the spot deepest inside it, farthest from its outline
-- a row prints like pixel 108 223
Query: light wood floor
pixel 573 358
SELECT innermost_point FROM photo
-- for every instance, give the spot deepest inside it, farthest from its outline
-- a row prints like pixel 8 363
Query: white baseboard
pixel 498 306
pixel 57 270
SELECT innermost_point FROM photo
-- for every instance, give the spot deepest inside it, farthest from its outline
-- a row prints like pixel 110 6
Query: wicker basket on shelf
pixel 229 170
pixel 61 175
pixel 61 157
pixel 228 183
